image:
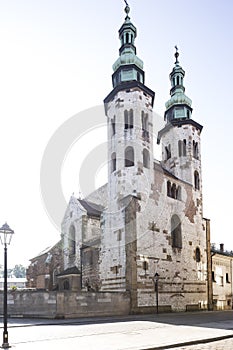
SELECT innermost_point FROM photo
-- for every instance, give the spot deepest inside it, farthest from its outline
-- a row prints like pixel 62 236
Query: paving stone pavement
pixel 226 344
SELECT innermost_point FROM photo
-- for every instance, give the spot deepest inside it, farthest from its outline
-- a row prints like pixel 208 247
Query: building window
pixel 169 187
pixel 176 232
pixel 178 193
pixel 145 265
pixel 146 158
pixel 227 278
pixel 128 119
pixel 221 281
pixel 66 285
pixel 173 191
pixel 198 255
pixel 72 243
pixel 182 148
pixel 129 156
pixel 195 150
pixel 113 160
pixel 213 277
pixel 167 152
pixel 145 126
pixel 196 180
pixel 114 125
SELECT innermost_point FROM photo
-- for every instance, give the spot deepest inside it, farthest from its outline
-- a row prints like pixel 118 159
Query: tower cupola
pixel 128 67
pixel 179 105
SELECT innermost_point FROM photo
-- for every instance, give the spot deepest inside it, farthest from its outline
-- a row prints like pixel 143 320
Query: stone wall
pixel 42 271
pixel 65 304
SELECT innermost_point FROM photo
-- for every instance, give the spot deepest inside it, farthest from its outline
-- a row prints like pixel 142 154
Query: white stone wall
pixel 182 167
pixel 113 255
pixel 87 229
pixel 100 196
pixel 124 181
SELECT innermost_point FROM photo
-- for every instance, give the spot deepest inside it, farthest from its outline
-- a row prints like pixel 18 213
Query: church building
pixel 144 230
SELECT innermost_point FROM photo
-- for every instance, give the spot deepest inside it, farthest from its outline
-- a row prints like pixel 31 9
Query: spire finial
pixel 176 55
pixel 127 9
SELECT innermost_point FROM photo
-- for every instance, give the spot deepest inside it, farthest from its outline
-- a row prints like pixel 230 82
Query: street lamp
pixel 156 282
pixel 5 236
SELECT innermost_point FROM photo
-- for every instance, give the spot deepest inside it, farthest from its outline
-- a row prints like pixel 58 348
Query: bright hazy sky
pixel 56 60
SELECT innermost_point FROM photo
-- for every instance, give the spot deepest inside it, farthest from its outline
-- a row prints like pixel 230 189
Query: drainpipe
pixel 209 267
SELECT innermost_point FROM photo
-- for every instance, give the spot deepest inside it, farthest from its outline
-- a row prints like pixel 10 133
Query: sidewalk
pixel 128 333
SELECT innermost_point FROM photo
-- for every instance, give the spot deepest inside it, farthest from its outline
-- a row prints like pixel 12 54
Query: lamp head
pixel 6 234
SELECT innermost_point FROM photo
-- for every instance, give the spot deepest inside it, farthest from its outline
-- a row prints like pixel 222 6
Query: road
pixel 126 333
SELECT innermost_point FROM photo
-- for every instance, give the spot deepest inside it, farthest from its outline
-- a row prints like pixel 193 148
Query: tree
pixel 19 271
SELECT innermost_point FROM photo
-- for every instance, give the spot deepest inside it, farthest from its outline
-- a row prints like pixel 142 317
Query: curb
pixel 193 342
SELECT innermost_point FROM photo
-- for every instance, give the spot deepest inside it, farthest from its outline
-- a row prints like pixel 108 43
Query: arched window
pixel 195 149
pixel 169 189
pixel 145 126
pixel 72 243
pixel 178 80
pixel 113 160
pixel 127 38
pixel 128 119
pixel 178 193
pixel 114 125
pixel 129 156
pixel 131 119
pixel 182 148
pixel 146 158
pixel 167 152
pixel 173 191
pixel 176 234
pixel 196 180
pixel 126 115
pixel 198 255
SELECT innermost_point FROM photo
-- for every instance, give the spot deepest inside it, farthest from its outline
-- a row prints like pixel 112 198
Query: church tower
pixel 128 108
pixel 180 137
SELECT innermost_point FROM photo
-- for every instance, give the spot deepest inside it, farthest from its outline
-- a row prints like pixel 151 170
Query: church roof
pixel 70 271
pixel 91 208
pixel 159 167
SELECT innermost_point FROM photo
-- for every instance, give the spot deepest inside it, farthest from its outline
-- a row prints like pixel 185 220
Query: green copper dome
pixel 179 105
pixel 128 67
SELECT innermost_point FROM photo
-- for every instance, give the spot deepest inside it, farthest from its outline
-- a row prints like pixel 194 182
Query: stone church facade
pixel 147 220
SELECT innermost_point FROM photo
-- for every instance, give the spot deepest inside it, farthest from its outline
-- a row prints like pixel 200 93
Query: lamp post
pixel 156 282
pixel 5 236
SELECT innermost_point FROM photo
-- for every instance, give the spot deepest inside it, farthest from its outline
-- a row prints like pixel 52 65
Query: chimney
pixel 221 247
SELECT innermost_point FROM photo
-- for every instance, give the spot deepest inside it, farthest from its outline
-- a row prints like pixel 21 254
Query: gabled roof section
pixel 91 208
pixel 159 167
pixel 70 271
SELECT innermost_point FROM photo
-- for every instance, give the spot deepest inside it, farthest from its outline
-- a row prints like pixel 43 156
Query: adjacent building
pixel 222 278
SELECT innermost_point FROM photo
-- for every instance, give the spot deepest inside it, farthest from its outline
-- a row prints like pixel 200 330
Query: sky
pixel 56 62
